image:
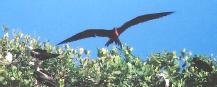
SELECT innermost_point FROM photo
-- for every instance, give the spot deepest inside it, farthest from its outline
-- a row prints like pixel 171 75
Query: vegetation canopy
pixel 111 68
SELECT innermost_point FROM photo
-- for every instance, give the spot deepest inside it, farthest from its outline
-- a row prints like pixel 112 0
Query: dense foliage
pixel 115 67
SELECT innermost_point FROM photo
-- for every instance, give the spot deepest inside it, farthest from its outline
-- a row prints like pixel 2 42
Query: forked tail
pixel 117 42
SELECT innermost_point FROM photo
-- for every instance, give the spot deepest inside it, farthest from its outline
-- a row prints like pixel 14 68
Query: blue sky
pixel 193 25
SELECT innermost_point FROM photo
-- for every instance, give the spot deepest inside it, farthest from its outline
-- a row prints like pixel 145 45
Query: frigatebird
pixel 115 32
pixel 202 65
pixel 44 78
pixel 42 54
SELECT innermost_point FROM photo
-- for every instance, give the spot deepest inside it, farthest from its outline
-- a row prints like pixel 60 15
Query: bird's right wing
pixel 86 34
pixel 141 19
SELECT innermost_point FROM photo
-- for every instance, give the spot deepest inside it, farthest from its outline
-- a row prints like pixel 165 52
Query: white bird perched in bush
pixel 9 57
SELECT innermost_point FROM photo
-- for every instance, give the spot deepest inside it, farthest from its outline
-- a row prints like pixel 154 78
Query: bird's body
pixel 115 32
pixel 42 54
pixel 201 65
pixel 44 78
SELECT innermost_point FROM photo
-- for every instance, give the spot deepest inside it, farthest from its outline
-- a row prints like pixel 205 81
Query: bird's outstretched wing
pixel 141 19
pixel 86 34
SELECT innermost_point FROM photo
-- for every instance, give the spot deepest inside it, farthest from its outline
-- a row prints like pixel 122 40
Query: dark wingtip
pixel 60 43
pixel 106 45
pixel 171 12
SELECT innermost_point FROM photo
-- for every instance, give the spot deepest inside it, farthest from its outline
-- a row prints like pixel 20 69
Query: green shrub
pixel 115 67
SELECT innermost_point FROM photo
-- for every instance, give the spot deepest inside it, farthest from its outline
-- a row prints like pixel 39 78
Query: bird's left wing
pixel 86 34
pixel 141 19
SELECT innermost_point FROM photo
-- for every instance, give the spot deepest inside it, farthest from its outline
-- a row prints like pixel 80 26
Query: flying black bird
pixel 115 32
pixel 42 54
pixel 201 65
pixel 44 78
